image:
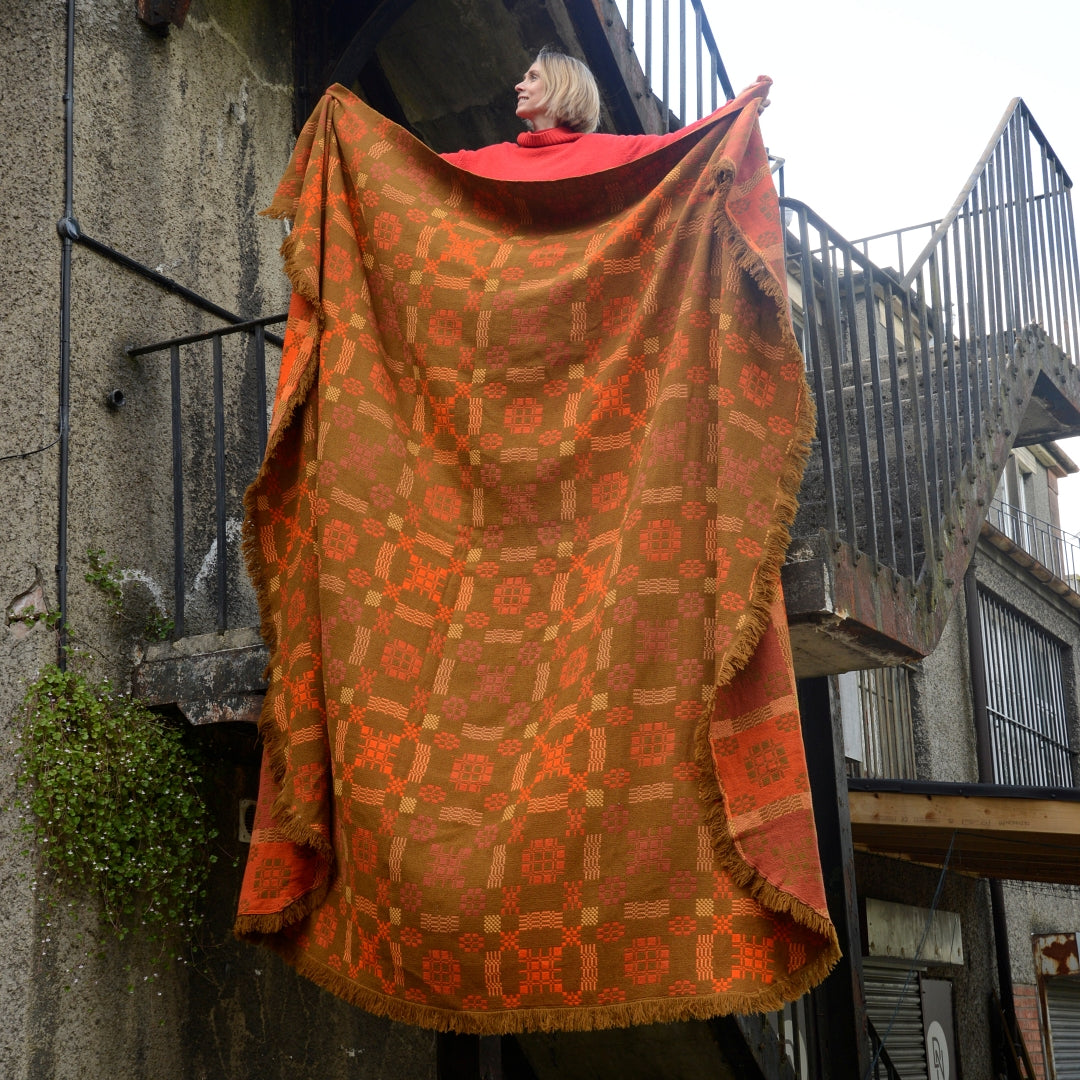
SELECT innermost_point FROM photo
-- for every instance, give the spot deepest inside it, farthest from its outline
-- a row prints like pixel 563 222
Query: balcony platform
pixel 995 831
pixel 208 678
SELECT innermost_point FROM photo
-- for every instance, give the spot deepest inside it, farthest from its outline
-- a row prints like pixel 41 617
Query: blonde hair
pixel 572 96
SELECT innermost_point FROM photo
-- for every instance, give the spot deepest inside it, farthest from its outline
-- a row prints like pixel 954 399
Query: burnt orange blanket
pixel 533 755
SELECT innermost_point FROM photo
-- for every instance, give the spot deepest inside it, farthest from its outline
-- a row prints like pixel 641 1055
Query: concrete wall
pixel 178 142
pixel 944 728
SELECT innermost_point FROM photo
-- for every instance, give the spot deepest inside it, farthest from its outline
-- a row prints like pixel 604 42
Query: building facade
pixel 143 141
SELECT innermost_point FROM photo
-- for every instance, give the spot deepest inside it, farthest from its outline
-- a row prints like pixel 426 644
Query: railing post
pixel 884 472
pixel 178 493
pixel 869 484
pixel 219 484
pixel 835 337
pixel 921 424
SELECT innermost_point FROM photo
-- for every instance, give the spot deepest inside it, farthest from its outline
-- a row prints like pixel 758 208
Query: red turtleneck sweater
pixel 557 153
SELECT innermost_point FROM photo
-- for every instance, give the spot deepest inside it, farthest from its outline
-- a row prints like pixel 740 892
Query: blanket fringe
pixel 767 580
pixel 660 1010
pixel 756 620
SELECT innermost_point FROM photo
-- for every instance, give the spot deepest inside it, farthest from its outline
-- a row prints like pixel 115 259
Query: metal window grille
pixel 888 741
pixel 1025 698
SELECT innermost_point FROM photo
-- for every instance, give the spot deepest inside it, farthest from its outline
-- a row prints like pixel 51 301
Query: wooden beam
pixel 995 836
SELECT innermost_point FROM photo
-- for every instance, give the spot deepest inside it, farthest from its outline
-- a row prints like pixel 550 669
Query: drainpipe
pixel 984 756
pixel 68 229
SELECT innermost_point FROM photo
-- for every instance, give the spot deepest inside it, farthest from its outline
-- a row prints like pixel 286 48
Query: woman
pixel 558 98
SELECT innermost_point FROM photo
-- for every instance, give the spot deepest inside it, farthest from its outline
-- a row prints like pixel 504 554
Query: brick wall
pixel 1026 999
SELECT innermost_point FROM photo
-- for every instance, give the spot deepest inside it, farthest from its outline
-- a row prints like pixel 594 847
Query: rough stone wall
pixel 944 728
pixel 179 140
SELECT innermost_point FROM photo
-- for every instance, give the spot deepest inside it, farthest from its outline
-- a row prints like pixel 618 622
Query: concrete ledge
pixel 210 678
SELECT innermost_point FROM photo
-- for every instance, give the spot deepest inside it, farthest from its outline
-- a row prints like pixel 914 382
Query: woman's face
pixel 530 92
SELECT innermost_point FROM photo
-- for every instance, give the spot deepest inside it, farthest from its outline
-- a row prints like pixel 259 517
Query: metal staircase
pixel 923 383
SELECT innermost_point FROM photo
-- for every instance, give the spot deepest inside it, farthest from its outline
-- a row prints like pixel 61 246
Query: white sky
pixel 882 110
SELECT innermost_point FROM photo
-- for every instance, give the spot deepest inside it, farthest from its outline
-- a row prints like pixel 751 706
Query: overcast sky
pixel 882 110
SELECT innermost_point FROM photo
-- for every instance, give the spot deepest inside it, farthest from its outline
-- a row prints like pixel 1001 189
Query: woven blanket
pixel 532 750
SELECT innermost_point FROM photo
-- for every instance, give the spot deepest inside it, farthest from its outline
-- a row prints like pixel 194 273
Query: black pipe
pixel 985 758
pixel 64 227
pixel 977 664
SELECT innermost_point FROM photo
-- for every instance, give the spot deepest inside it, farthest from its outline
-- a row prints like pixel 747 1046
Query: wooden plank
pixel 990 836
pixel 1001 814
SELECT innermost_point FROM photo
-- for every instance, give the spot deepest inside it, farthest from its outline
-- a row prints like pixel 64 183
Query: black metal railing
pixel 795 1029
pixel 908 370
pixel 1057 550
pixel 897 248
pixel 682 67
pixel 857 334
pixel 1006 251
pixel 255 331
pixel 1017 1058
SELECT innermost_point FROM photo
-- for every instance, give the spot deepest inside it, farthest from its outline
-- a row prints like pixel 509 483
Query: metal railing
pixel 255 330
pixel 902 245
pixel 908 370
pixel 698 73
pixel 795 1027
pixel 881 1064
pixel 1056 549
pixel 1006 251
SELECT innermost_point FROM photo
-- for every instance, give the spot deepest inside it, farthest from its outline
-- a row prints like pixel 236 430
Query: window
pixel 876 705
pixel 1025 696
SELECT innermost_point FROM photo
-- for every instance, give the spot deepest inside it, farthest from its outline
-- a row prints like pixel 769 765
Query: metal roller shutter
pixel 906 1044
pixel 1063 1001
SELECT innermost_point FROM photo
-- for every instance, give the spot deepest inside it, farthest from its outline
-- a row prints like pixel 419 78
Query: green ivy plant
pixel 108 579
pixel 115 803
pixel 104 575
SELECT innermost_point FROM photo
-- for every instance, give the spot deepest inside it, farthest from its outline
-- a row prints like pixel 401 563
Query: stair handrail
pixel 853 293
pixel 1017 1057
pixel 881 1059
pixel 1039 282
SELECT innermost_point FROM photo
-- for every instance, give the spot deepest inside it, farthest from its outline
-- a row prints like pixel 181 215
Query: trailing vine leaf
pixel 115 801
pixel 107 578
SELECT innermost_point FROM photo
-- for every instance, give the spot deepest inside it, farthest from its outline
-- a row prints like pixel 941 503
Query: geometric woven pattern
pixel 533 755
